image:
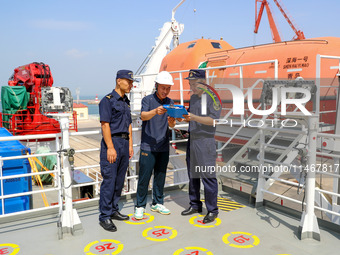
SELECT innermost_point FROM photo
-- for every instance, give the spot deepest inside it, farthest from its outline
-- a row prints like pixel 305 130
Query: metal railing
pixel 3 177
pixel 316 154
pixel 90 170
pixel 22 122
pixel 316 168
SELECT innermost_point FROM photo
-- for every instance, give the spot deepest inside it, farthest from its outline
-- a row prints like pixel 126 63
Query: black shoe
pixel 210 217
pixel 119 216
pixel 190 211
pixel 108 225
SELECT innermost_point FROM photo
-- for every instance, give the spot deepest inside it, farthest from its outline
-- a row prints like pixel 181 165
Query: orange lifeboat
pixel 295 59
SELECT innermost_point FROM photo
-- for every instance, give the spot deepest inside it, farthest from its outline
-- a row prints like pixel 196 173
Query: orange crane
pixel 275 33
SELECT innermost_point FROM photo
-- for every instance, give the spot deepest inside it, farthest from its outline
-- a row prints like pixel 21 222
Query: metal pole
pixel 336 183
pixel 181 88
pixel 276 69
pixel 219 152
pixel 318 83
pixel 337 162
pixel 58 180
pixel 310 228
pixel 70 218
pixel 2 188
pixel 261 179
pixel 241 87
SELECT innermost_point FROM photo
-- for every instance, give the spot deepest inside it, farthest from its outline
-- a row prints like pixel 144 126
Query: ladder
pixel 279 147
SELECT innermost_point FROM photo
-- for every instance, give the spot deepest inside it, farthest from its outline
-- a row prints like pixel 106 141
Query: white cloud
pixel 75 53
pixel 51 24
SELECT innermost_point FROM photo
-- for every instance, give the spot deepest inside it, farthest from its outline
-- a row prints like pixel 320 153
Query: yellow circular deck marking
pixel 197 222
pixel 104 245
pixel 248 240
pixel 193 250
pixel 146 219
pixel 5 248
pixel 160 231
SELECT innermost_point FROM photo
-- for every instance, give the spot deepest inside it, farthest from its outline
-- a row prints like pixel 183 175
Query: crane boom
pixel 258 16
pixel 273 28
pixel 299 35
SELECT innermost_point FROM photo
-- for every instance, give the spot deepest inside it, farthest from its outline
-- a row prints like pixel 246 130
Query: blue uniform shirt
pixel 195 107
pixel 155 132
pixel 115 110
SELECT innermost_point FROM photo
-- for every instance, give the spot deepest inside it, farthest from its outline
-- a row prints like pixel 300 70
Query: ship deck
pixel 239 229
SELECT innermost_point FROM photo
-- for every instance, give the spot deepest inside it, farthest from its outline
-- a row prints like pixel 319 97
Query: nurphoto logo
pixel 277 94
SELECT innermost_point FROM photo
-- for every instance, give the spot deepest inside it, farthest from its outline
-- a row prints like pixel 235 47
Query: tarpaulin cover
pixel 48 161
pixel 13 99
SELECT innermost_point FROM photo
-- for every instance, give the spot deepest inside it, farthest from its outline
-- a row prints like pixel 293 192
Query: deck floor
pixel 240 228
pixel 245 230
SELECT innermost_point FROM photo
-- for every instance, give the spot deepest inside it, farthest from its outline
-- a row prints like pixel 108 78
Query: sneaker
pixel 160 208
pixel 139 213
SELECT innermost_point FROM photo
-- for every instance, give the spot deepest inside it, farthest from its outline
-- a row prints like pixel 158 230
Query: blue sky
pixel 85 42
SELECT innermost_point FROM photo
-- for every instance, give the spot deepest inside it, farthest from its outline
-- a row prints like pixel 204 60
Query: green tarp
pixel 13 99
pixel 48 161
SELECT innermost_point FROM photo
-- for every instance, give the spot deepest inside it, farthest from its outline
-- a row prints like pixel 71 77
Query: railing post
pixel 181 88
pixel 58 180
pixel 318 83
pixel 241 87
pixel 276 69
pixel 97 185
pixel 309 225
pixel 336 189
pixel 173 135
pixel 219 152
pixel 261 180
pixel 70 219
pixel 336 182
pixel 2 188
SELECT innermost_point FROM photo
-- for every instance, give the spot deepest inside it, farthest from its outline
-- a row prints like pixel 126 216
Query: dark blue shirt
pixel 155 132
pixel 115 110
pixel 195 107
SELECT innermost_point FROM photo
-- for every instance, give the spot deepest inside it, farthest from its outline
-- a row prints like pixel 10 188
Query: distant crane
pixel 275 33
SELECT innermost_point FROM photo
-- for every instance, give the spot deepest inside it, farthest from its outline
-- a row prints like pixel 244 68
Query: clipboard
pixel 176 111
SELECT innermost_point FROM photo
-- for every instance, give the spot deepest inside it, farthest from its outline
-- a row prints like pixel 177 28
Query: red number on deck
pixel 201 221
pixel 134 219
pixel 102 248
pixel 160 232
pixel 109 246
pixel 241 239
pixel 4 251
pixel 193 253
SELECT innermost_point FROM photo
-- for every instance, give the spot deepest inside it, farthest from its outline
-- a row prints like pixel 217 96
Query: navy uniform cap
pixel 125 74
pixel 196 74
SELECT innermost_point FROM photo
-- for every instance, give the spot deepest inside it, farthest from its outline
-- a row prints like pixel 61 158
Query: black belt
pixel 121 135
